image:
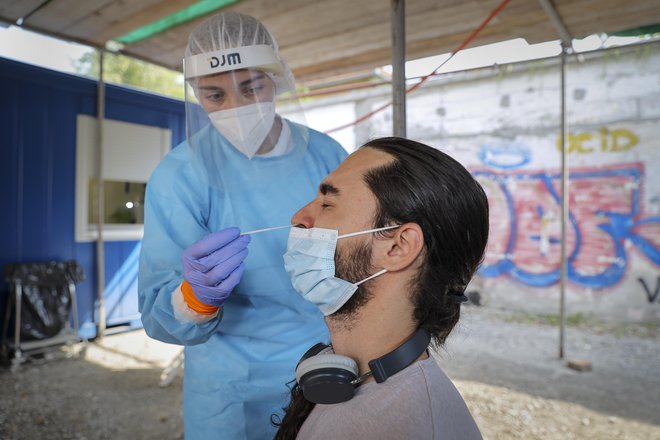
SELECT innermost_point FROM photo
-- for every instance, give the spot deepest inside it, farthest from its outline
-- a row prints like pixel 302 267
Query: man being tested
pixel 242 168
pixel 388 247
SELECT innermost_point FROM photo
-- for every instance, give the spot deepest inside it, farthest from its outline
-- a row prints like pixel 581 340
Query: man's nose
pixel 304 217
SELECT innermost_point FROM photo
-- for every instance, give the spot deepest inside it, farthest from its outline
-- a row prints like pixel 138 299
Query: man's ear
pixel 402 250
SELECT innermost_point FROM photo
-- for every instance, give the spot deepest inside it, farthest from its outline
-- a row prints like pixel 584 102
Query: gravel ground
pixel 506 368
pixel 508 371
pixel 109 391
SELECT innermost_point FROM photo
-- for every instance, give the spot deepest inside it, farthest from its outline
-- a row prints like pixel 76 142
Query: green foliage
pixel 573 320
pixel 123 70
pixel 647 329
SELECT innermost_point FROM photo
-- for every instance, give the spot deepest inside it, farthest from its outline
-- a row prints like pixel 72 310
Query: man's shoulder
pixel 418 402
pixel 448 411
pixel 392 409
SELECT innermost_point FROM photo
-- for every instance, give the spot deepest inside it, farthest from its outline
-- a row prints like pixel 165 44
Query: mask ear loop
pixel 353 234
pixel 372 276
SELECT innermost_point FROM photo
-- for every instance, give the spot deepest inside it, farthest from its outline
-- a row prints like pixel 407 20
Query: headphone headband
pixel 404 355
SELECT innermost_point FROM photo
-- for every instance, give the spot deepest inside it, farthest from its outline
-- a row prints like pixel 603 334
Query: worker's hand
pixel 214 265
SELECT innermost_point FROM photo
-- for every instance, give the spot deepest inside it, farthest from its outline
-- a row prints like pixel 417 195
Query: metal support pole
pixel 557 22
pixel 100 254
pixel 18 292
pixel 564 201
pixel 398 16
pixel 566 47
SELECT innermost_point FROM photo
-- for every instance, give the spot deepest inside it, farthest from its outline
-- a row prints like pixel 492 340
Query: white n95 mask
pixel 246 127
pixel 310 262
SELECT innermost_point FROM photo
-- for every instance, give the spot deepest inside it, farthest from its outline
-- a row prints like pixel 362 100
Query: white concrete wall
pixel 503 124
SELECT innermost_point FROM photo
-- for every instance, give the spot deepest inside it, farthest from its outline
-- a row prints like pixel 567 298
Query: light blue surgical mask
pixel 310 262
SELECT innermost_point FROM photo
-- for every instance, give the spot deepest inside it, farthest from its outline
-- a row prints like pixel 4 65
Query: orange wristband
pixel 195 304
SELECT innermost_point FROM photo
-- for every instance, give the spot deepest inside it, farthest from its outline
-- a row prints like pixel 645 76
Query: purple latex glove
pixel 214 265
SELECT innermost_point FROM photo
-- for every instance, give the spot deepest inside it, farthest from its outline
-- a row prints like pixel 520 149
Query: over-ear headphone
pixel 326 377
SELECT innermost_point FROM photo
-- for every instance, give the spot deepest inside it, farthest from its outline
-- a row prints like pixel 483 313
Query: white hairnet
pixel 232 30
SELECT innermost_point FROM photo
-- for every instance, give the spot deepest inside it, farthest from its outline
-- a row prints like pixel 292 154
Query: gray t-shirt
pixel 419 402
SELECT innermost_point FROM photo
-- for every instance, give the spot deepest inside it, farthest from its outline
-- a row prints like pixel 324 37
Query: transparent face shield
pixel 242 115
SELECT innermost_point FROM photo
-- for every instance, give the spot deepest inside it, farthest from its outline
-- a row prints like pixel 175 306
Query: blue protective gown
pixel 237 366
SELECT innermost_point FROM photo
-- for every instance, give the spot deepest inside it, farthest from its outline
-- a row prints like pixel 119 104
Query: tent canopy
pixel 322 38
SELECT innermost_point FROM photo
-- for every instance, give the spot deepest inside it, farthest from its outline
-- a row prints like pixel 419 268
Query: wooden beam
pixel 377 58
pixel 321 39
pixel 12 10
pixel 376 37
pixel 120 26
pixel 60 16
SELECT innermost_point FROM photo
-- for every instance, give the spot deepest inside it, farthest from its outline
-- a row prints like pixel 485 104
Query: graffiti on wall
pixel 607 223
pixel 651 296
pixel 602 141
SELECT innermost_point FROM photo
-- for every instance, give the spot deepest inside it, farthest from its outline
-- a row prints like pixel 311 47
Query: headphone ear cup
pixel 316 349
pixel 326 378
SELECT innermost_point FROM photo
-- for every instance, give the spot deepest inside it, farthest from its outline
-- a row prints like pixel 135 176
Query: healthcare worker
pixel 225 296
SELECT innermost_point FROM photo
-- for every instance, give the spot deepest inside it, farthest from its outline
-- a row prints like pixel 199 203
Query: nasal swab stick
pixel 256 231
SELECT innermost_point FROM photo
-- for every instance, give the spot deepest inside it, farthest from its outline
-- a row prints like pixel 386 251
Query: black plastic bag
pixel 45 302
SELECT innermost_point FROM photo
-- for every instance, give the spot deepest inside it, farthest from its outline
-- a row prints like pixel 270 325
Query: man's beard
pixel 353 265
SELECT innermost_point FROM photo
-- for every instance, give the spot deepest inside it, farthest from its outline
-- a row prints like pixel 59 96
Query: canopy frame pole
pixel 100 199
pixel 398 18
pixel 566 48
pixel 564 206
pixel 559 25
